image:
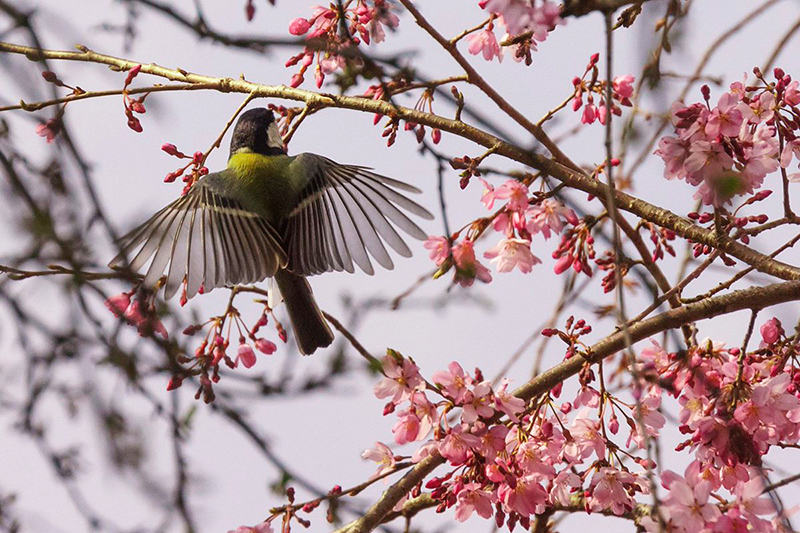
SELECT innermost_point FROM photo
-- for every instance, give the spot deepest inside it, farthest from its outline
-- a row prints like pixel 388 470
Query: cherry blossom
pixel 472 498
pixel 549 216
pixel 510 253
pixel 402 378
pixel 382 455
pixel 439 249
pixel 468 269
pixel 484 42
pixel 454 381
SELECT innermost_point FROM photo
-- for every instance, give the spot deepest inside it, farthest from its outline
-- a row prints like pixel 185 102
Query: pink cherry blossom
pixel 516 14
pixel 458 444
pixel 472 498
pixel 609 491
pixel 523 495
pixel 791 94
pixel 468 269
pixel 407 428
pixel 623 85
pixel 507 402
pixel 674 151
pixel 516 193
pixel 382 455
pixel 689 506
pixel 484 42
pixel 792 148
pixel 761 158
pixel 145 320
pixel 726 118
pixel 586 439
pixel 564 486
pixel 424 451
pixel 763 108
pixel 454 381
pixel 509 222
pixel 751 503
pixel 477 403
pixel 426 411
pixel 402 378
pixel 510 253
pixel 492 440
pixel 707 160
pixel 49 130
pixel 589 114
pixel 439 249
pixel 549 215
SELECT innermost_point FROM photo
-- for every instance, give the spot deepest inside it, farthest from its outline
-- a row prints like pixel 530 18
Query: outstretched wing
pixel 344 212
pixel 205 238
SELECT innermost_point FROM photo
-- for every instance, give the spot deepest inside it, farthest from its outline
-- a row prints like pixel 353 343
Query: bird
pixel 269 214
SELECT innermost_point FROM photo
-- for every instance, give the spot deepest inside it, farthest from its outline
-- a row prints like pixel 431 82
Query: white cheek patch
pixel 274 139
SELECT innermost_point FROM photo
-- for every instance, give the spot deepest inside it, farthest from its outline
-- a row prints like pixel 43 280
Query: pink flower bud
pixel 117 304
pixel 299 26
pixel 132 73
pixel 171 149
pixel 137 106
pixel 174 383
pixel 266 347
pixel 771 331
pixel 134 124
pixel 563 264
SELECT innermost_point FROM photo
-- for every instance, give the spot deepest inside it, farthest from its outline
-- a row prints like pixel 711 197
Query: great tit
pixel 272 215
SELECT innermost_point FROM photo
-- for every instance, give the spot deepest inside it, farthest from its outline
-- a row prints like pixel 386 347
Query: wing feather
pixel 205 239
pixel 345 214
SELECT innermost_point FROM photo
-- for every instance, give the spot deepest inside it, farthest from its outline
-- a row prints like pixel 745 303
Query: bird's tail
pixel 310 328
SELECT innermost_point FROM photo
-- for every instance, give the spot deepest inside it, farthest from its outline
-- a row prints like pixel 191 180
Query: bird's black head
pixel 256 131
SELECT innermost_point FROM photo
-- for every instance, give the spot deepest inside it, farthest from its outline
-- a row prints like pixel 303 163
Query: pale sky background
pixel 322 435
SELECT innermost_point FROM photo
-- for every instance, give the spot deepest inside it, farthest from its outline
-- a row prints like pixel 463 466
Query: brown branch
pixel 570 177
pixel 752 298
pixel 376 514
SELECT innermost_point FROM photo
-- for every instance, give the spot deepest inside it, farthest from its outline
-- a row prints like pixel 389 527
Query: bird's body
pixel 271 215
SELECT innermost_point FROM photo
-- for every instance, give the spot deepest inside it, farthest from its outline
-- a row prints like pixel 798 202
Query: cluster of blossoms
pixel 137 311
pixel 364 20
pixel 527 22
pixel 212 351
pixel 198 169
pixel 538 458
pixel 133 106
pixel 594 89
pixel 727 150
pixel 523 216
pixel 512 459
pixel 734 407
